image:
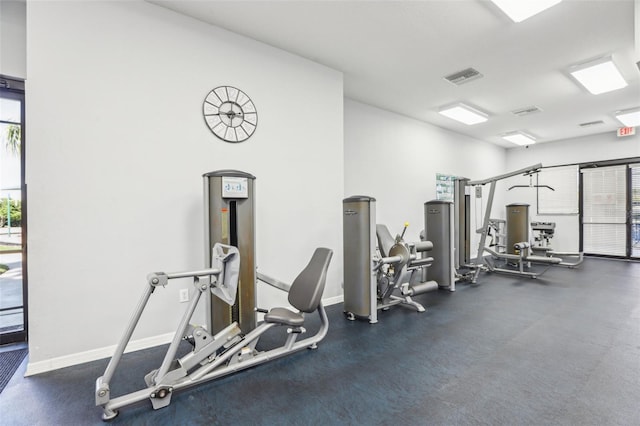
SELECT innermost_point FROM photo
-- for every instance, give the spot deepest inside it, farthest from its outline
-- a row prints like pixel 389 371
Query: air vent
pixel 591 123
pixel 463 76
pixel 526 111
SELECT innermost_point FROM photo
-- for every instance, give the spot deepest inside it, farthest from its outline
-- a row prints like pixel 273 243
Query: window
pixel 604 215
pixel 445 186
pixel 564 197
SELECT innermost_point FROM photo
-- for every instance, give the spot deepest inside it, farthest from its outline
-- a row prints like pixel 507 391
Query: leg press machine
pixel 228 351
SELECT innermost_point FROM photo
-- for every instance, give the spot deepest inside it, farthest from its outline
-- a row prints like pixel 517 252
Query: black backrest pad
pixel 385 240
pixel 306 291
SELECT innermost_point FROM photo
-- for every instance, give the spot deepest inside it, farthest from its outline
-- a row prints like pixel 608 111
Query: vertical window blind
pixel 564 197
pixel 635 210
pixel 604 210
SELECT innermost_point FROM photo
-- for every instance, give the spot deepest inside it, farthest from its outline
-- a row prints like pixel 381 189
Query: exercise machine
pixel 541 246
pixel 229 340
pixel 516 231
pixel 543 233
pixel 517 225
pixel 518 256
pixel 498 235
pixel 484 230
pixel 229 350
pixel 380 271
pixel 439 229
pixel 465 268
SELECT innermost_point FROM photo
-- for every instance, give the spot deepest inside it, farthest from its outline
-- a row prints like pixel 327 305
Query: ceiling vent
pixel 526 111
pixel 463 76
pixel 591 123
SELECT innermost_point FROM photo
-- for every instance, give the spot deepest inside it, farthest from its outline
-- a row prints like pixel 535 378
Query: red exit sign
pixel 626 131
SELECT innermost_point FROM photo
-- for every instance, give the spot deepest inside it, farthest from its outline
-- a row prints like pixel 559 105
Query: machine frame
pixel 213 356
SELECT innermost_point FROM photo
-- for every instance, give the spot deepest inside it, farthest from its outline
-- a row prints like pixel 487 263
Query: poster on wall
pixel 444 186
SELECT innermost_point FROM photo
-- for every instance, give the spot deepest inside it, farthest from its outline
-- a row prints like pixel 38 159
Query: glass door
pixel 13 324
pixel 604 211
pixel 635 210
pixel 611 210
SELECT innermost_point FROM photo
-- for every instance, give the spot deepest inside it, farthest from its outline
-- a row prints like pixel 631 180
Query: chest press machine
pixel 222 347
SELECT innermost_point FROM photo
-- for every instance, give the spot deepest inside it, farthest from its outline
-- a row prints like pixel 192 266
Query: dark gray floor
pixel 562 349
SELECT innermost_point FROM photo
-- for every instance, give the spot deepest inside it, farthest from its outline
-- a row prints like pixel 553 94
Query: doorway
pixel 635 210
pixel 13 283
pixel 610 210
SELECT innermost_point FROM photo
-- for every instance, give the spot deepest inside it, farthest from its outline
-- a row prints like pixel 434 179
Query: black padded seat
pixel 284 316
pixel 306 290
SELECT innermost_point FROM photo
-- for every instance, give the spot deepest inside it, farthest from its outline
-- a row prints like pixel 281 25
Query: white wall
pixel 117 146
pixel 13 38
pixel 605 146
pixel 395 160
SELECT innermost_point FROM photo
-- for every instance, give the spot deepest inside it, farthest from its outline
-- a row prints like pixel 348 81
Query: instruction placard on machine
pixel 235 187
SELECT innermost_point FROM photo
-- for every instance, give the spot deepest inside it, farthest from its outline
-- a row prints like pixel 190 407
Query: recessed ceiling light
pixel 519 138
pixel 464 114
pixel 598 76
pixel 629 117
pixel 519 10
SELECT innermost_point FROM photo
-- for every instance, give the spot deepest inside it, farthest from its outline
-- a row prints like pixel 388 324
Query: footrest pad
pixel 542 259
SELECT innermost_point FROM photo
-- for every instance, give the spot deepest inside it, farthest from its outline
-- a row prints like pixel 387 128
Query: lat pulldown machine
pixel 228 343
pixel 518 250
pixel 484 231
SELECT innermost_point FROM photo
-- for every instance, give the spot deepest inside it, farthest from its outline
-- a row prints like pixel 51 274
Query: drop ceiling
pixel 395 55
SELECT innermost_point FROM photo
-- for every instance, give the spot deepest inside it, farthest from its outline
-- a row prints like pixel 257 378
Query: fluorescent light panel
pixel 629 117
pixel 599 76
pixel 519 138
pixel 464 114
pixel 519 10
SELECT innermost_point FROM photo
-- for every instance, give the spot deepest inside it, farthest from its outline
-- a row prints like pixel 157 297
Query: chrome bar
pixel 274 282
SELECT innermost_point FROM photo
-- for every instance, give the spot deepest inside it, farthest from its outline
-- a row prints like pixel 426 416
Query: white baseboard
pixel 94 354
pixel 333 300
pixel 107 351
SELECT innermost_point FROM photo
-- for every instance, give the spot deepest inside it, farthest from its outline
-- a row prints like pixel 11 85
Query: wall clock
pixel 230 114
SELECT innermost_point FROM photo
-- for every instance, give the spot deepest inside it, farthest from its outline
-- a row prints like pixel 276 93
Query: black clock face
pixel 230 114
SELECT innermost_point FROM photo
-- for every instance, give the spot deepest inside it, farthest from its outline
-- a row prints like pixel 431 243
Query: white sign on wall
pixel 445 186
